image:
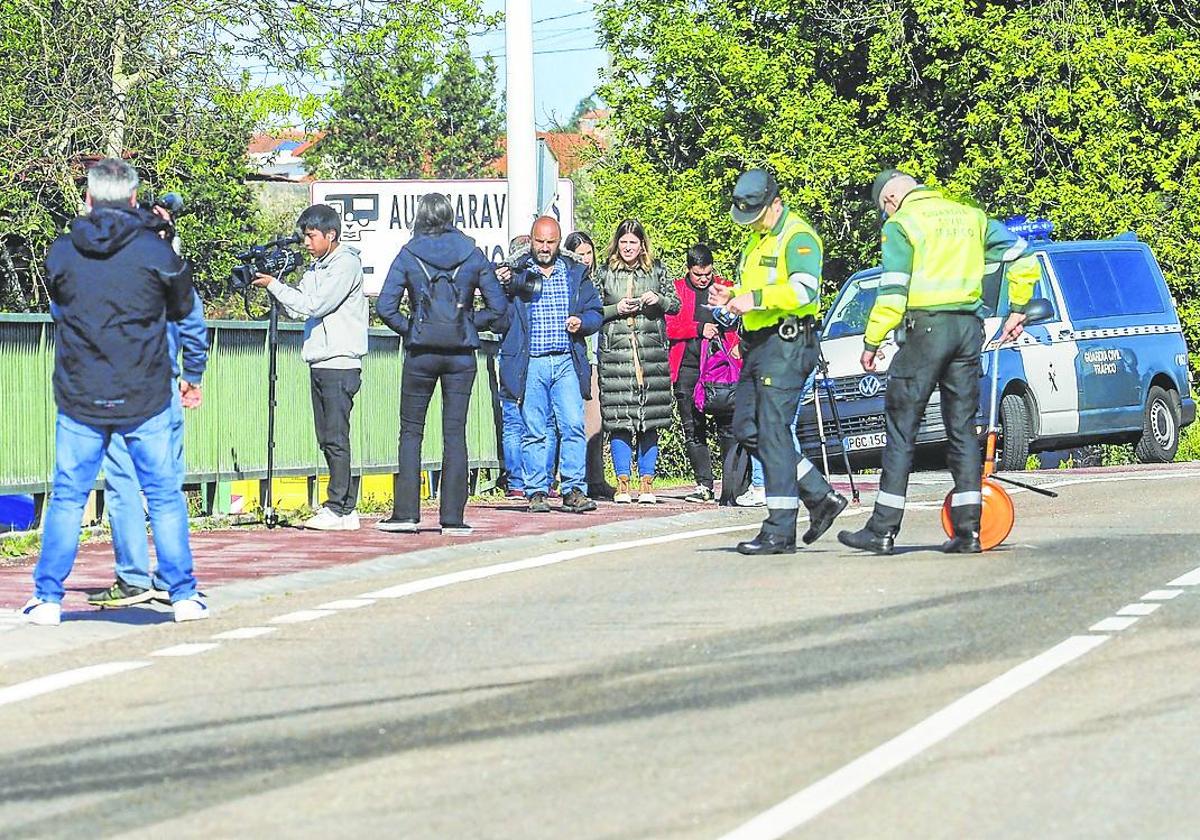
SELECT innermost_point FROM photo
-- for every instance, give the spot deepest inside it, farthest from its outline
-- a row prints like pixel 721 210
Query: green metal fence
pixel 227 436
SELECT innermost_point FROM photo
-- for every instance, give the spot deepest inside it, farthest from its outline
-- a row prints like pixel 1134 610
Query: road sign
pixel 377 216
pixel 547 176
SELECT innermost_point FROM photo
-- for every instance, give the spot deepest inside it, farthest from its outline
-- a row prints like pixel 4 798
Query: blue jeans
pixel 123 500
pixel 552 399
pixel 622 452
pixel 79 449
pixel 513 434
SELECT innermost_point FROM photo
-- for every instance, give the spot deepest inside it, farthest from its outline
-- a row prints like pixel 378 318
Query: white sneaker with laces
pixel 42 613
pixel 323 520
pixel 190 609
pixel 350 521
pixel 754 497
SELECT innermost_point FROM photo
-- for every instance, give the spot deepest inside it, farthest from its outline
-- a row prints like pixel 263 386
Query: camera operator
pixel 113 285
pixel 544 363
pixel 330 297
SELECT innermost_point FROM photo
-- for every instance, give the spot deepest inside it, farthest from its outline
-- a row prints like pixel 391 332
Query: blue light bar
pixel 1035 230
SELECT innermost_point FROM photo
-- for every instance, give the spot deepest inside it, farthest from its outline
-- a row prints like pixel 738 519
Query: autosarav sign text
pixel 377 216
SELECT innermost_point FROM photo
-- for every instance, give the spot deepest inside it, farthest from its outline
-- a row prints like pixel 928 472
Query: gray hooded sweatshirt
pixel 330 297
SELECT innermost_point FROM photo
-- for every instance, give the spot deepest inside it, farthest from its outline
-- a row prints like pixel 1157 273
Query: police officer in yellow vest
pixel 935 255
pixel 777 298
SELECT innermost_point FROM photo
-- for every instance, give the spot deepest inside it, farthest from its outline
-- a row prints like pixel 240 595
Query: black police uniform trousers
pixel 941 350
pixel 768 393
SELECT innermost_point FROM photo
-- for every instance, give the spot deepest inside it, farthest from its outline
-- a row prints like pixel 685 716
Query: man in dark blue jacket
pixel 114 284
pixel 544 364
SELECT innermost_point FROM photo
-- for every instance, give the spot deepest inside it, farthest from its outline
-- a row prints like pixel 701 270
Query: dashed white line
pixel 1162 594
pixel 1114 624
pixel 188 649
pixel 793 812
pixel 347 604
pixel 246 633
pixel 301 616
pixel 64 679
pixel 1138 609
pixel 1192 578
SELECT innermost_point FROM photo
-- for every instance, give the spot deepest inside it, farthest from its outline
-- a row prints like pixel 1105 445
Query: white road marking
pixel 1192 578
pixel 347 604
pixel 1138 609
pixel 188 649
pixel 1114 624
pixel 301 616
pixel 793 812
pixel 246 633
pixel 1162 594
pixel 64 679
pixel 440 581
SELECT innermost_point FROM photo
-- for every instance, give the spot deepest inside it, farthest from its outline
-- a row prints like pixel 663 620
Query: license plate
pixel 871 440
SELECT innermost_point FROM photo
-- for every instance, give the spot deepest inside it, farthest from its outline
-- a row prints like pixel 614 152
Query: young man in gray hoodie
pixel 330 297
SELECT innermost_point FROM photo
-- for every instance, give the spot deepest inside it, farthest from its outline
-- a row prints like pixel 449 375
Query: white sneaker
pixel 350 521
pixel 190 609
pixel 754 497
pixel 647 498
pixel 42 613
pixel 323 520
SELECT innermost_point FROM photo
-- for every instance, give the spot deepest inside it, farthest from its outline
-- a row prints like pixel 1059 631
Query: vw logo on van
pixel 869 385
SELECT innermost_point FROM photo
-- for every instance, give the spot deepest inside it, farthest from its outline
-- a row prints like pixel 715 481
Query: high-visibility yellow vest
pixel 948 251
pixel 764 264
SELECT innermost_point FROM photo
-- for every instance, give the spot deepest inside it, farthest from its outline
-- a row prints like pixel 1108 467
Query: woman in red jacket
pixel 686 332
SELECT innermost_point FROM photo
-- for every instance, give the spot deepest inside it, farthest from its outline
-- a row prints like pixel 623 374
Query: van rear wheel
pixel 1160 428
pixel 1015 426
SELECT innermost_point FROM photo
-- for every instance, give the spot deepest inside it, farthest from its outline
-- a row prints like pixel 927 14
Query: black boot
pixel 963 544
pixel 767 544
pixel 822 516
pixel 868 540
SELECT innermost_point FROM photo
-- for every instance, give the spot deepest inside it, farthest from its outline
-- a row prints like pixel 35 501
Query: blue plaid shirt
pixel 548 314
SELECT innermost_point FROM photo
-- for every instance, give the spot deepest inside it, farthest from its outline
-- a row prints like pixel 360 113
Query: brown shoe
pixel 622 496
pixel 646 494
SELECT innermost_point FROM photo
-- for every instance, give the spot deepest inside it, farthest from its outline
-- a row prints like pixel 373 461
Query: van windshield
pixel 853 306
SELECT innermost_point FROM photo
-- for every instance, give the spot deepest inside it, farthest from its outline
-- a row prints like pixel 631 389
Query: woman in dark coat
pixel 439 347
pixel 635 375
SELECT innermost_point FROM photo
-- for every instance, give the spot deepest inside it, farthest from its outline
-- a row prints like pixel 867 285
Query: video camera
pixel 525 281
pixel 172 202
pixel 273 258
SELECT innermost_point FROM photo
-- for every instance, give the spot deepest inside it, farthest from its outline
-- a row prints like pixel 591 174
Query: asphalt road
pixel 665 689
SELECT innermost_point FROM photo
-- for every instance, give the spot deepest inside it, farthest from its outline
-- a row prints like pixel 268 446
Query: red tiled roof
pixel 263 143
pixel 572 150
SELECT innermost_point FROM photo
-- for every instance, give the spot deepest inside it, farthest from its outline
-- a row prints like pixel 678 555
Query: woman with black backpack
pixel 440 270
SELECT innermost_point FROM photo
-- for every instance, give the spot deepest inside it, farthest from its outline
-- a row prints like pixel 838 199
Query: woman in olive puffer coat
pixel 635 376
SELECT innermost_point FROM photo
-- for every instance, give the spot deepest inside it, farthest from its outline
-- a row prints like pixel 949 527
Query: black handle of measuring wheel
pixel 1022 484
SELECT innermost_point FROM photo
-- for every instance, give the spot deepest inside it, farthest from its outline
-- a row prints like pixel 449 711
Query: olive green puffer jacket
pixel 635 376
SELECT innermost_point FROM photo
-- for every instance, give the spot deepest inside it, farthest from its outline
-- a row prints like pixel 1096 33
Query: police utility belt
pixel 791 328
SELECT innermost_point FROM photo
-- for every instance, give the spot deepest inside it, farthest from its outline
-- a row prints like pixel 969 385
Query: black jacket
pixel 442 251
pixel 113 285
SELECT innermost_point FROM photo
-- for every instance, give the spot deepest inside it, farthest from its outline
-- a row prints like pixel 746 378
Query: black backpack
pixel 442 311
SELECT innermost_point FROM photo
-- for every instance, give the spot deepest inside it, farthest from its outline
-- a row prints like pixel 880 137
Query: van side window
pixel 1101 284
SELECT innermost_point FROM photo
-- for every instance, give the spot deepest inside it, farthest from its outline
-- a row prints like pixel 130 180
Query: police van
pixel 1110 366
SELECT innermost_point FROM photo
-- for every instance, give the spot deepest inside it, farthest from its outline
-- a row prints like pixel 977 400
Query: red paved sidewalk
pixel 248 553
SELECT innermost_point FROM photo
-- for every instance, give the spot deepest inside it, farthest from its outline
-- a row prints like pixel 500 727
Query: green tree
pixel 425 110
pixel 1079 110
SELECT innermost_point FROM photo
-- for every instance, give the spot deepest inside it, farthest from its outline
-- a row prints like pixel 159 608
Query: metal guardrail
pixel 226 437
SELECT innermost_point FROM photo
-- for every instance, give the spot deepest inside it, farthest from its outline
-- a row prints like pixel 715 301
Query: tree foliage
pixel 424 109
pixel 1082 111
pixel 177 87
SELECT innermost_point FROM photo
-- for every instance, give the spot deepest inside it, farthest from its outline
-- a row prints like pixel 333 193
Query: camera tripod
pixel 823 372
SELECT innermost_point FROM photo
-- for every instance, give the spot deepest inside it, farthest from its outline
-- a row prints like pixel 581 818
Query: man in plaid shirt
pixel 544 365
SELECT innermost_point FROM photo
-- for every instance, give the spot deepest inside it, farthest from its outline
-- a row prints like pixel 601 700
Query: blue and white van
pixel 1111 366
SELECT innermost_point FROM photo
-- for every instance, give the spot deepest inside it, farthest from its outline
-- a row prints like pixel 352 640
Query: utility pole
pixel 522 139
